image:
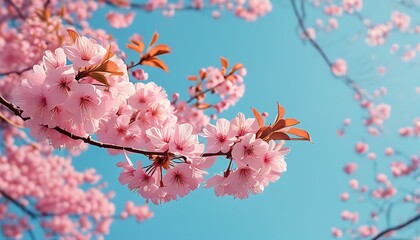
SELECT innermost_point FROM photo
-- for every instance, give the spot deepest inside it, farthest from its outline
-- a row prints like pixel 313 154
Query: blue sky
pixel 304 203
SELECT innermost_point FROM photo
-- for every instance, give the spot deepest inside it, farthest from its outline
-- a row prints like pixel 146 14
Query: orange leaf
pixel 203 106
pixel 236 67
pixel 280 112
pixel 225 62
pixel 230 78
pixel 73 35
pixel 109 67
pixel 300 133
pixel 155 62
pixel 192 78
pixel 109 54
pixel 265 131
pixel 259 117
pixel 203 74
pixel 291 122
pixel 279 125
pixel 137 46
pixel 99 77
pixel 279 136
pixel 154 39
pixel 159 50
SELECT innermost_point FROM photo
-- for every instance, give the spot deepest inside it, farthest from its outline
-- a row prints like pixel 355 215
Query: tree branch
pixel 398 227
pixel 33 215
pixel 18 72
pixel 142 6
pixel 346 79
pixel 16 9
pixel 18 112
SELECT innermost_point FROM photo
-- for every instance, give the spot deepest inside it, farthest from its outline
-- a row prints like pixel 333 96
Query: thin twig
pixel 33 215
pixel 346 79
pixel 397 227
pixel 18 112
pixel 18 72
pixel 16 9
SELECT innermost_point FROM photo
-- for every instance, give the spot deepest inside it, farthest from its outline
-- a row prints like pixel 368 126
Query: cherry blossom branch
pixel 347 79
pixel 32 214
pixel 398 227
pixel 142 6
pixel 90 141
pixel 18 72
pixel 16 9
pixel 18 112
pixel 204 92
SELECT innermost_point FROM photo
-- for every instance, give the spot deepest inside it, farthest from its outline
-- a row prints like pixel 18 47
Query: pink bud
pixel 361 147
pixel 354 184
pixel 389 151
pixel 140 74
pixel 344 196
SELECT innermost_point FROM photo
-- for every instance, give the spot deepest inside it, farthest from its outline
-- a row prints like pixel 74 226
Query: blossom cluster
pixel 180 167
pixel 68 203
pixel 72 96
pixel 249 10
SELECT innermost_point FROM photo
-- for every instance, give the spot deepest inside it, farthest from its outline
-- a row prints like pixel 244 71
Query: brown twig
pixel 18 112
pixel 18 72
pixel 16 9
pixel 32 214
pixel 397 227
pixel 346 79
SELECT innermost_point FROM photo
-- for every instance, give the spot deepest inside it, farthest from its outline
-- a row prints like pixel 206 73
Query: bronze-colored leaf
pixel 99 77
pixel 192 78
pixel 225 62
pixel 154 39
pixel 203 106
pixel 109 54
pixel 279 136
pixel 73 35
pixel 230 78
pixel 280 112
pixel 160 49
pixel 110 67
pixel 300 133
pixel 203 75
pixel 291 122
pixel 265 131
pixel 259 117
pixel 135 47
pixel 155 62
pixel 235 68
pixel 281 123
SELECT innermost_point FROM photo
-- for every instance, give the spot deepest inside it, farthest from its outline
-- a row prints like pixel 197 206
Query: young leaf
pixel 99 77
pixel 225 62
pixel 235 68
pixel 279 136
pixel 109 54
pixel 73 35
pixel 192 78
pixel 155 62
pixel 160 49
pixel 291 122
pixel 259 117
pixel 203 106
pixel 300 133
pixel 154 39
pixel 280 112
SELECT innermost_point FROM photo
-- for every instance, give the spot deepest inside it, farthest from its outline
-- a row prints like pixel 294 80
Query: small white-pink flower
pixel 249 151
pixel 219 137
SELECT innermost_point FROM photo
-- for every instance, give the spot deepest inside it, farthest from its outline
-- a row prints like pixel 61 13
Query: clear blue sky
pixel 304 203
